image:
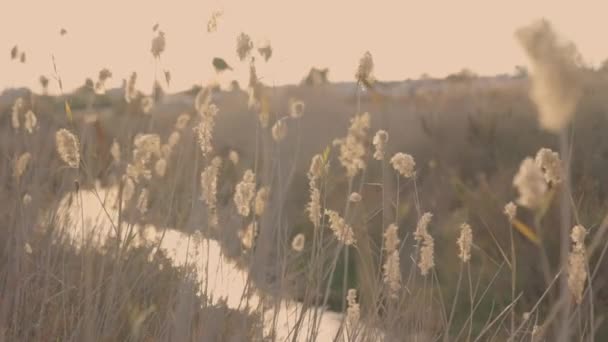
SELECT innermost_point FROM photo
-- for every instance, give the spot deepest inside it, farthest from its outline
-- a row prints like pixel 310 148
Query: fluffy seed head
pixel 511 210
pixel 391 267
pixel 316 167
pixel 244 193
pixel 464 242
pixel 422 226
pixel 261 198
pixel 354 197
pixel 342 231
pixel 404 164
pixel 209 189
pixel 365 68
pixel 21 165
pixel 173 139
pixel 243 46
pixel 297 244
pixel 551 165
pixel 146 104
pixel 131 92
pixel 204 130
pixel 556 76
pixel 158 44
pixel 379 141
pixel 296 108
pixel 427 244
pixel 233 156
pixel 314 206
pixel 142 201
pixel 530 183
pixel 115 151
pixel 279 130
pixel 352 147
pixel 68 147
pixel 353 312
pixel 31 122
pixel 212 22
pixel 247 235
pixel 160 167
pixel 16 112
pixel 577 263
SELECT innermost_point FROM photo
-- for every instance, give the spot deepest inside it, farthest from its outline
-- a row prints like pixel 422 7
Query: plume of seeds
pixel 353 312
pixel 244 45
pixel 297 244
pixel 21 165
pixel 173 139
pixel 16 112
pixel 464 242
pixel 27 199
pixel 233 156
pixel 551 165
pixel 158 44
pixel 160 167
pixel 530 183
pixel 145 146
pixel 365 69
pixel 244 193
pixel 204 129
pixel 209 189
pixel 391 267
pixel 142 201
pixel 355 197
pixel 279 130
pixel 248 235
pixel 31 122
pixel 100 85
pixel 68 147
pixel 577 263
pixel 510 210
pixel 352 147
pixel 314 205
pixel 296 108
pixel 27 248
pixel 131 92
pixel 261 198
pixel 556 76
pixel 202 99
pixel 342 231
pixel 115 151
pixel 380 140
pixel 212 22
pixel 426 243
pixel 146 104
pixel 404 164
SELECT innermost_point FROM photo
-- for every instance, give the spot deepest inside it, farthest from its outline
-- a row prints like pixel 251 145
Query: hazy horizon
pixel 406 39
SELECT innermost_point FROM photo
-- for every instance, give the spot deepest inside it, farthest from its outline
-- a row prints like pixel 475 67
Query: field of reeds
pixel 460 209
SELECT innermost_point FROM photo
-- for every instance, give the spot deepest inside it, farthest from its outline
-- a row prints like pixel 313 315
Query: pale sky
pixel 406 38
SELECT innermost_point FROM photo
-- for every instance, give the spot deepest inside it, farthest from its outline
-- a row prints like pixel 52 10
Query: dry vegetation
pixel 423 210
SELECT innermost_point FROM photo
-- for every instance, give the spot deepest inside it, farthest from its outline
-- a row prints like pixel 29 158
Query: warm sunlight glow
pixel 406 38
